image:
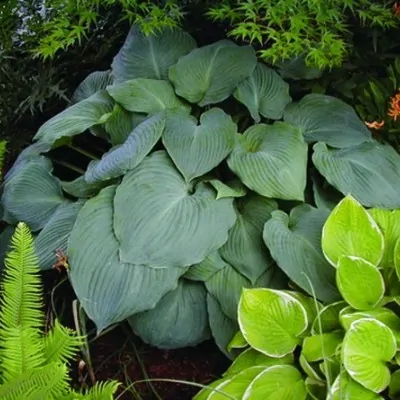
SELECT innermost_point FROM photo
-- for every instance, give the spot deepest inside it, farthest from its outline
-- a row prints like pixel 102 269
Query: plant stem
pixel 68 165
pixel 84 152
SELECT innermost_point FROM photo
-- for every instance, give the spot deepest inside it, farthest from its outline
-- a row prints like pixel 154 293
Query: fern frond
pixel 46 383
pixel 21 345
pixel 102 391
pixel 2 156
pixel 61 344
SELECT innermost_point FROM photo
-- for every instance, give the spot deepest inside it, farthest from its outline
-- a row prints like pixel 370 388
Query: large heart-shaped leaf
pixel 93 83
pixel 159 219
pixel 222 327
pixel 351 231
pixel 111 291
pixel 264 92
pixel 250 357
pixel 197 149
pixel 279 382
pixel 389 224
pixel 245 249
pixel 32 194
pixel 360 170
pixel 327 119
pixel 179 319
pixel 367 347
pixel 210 74
pixel 145 95
pixel 126 157
pixel 272 160
pixel 271 321
pixel 346 388
pixel 150 56
pixel 54 236
pixel 76 119
pixel 295 244
pixel 370 287
pixel 226 286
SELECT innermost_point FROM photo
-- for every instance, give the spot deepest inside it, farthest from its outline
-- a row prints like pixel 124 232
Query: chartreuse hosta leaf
pixel 344 387
pixel 54 235
pixel 126 157
pixel 222 327
pixel 210 74
pixel 389 224
pixel 245 249
pixel 236 385
pixel 145 95
pixel 161 220
pixel 369 289
pixel 318 347
pixel 264 92
pixel 360 170
pixel 238 341
pixel 327 119
pixel 271 160
pixel 250 357
pixel 394 386
pixel 93 83
pixel 271 321
pixel 309 369
pixel 150 56
pixel 76 119
pixel 111 291
pixel 328 318
pixel 295 244
pixel 198 147
pixel 316 388
pixel 279 382
pixel 397 257
pixel 32 194
pixel 351 231
pixel 367 347
pixel 185 307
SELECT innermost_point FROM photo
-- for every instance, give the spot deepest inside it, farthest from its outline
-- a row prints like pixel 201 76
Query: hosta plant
pixel 294 347
pixel 205 144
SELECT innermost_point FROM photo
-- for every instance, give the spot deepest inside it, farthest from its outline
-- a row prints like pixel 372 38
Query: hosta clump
pixel 182 212
pixel 293 346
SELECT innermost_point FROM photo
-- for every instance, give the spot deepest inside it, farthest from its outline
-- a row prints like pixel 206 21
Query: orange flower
pixel 396 9
pixel 375 125
pixel 394 110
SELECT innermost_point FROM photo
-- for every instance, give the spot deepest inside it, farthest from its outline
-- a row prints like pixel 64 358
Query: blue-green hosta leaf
pixel 210 74
pixel 94 82
pixel 272 161
pixel 325 196
pixel 279 382
pixel 111 291
pixel 226 286
pixel 145 95
pixel 76 119
pixel 367 348
pixel 264 92
pixel 179 319
pixel 351 231
pixel 271 321
pixel 296 68
pixel 54 236
pixel 346 388
pixel 126 157
pixel 360 170
pixel 5 238
pixel 121 123
pixel 222 327
pixel 79 188
pixel 32 194
pixel 197 148
pixel 327 119
pixel 233 188
pixel 250 357
pixel 161 220
pixel 207 268
pixel 389 224
pixel 245 249
pixel 150 56
pixel 295 244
